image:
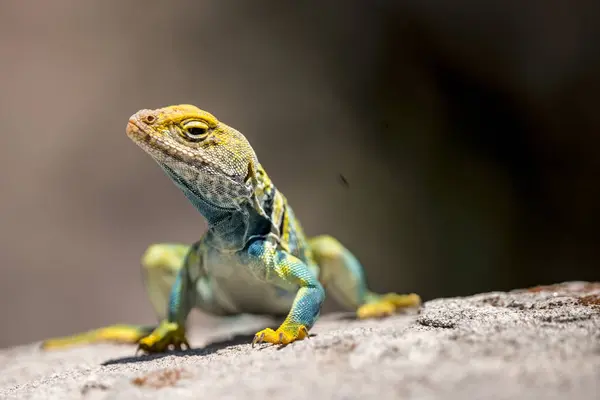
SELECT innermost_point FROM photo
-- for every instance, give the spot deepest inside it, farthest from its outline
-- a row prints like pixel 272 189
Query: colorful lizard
pixel 254 258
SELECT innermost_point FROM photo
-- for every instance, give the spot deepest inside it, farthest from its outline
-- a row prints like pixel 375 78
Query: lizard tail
pixel 114 333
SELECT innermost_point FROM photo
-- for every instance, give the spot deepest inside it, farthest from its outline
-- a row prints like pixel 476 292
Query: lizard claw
pixel 285 334
pixel 258 339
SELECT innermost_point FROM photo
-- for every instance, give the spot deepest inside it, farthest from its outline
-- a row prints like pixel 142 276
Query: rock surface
pixel 542 342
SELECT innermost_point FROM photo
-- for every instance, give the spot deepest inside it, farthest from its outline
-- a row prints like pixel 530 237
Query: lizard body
pixel 254 258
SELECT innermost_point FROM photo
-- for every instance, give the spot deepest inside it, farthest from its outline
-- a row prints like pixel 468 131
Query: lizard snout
pixel 132 127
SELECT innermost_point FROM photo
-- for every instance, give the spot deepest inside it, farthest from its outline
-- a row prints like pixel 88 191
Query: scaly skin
pixel 254 258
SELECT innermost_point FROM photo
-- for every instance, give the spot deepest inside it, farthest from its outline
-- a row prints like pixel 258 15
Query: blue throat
pixel 227 227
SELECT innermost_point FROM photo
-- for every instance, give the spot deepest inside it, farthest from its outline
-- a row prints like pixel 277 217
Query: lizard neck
pixel 228 228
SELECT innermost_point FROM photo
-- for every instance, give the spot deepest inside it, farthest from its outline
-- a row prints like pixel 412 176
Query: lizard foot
pixel 387 305
pixel 167 336
pixel 285 334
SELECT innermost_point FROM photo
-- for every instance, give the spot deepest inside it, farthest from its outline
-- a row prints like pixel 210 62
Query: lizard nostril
pixel 149 119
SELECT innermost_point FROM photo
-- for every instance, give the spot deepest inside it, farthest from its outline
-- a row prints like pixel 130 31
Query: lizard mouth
pixel 154 145
pixel 134 132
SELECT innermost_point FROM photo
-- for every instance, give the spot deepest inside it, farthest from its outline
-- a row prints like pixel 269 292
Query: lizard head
pixel 210 161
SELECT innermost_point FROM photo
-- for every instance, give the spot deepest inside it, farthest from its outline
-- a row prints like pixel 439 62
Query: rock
pixel 542 342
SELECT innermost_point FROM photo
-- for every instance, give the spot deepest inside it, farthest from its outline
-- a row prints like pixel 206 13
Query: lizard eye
pixel 195 130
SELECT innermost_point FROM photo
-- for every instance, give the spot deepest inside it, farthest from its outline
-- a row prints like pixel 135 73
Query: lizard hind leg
pixel 343 276
pixel 160 265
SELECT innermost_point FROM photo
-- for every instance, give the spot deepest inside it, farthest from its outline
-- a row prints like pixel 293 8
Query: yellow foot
pixel 388 305
pixel 285 334
pixel 168 336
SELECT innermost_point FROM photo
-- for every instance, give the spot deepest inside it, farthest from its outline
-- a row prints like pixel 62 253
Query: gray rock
pixel 529 344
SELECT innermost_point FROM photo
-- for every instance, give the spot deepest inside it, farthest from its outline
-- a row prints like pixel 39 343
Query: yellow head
pixel 207 159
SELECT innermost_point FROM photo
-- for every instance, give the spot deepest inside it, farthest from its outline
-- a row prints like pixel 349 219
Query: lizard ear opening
pixel 250 174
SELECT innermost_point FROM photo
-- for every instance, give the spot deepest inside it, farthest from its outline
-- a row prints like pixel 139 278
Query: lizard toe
pixel 166 336
pixel 285 334
pixel 387 305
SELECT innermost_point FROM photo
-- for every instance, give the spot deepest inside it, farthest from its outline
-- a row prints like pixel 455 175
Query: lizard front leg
pixel 170 333
pixel 276 263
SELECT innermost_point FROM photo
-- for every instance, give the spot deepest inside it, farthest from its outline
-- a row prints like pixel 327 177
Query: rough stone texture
pixel 538 343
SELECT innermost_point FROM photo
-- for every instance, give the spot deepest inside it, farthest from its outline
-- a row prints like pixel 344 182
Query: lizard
pixel 254 257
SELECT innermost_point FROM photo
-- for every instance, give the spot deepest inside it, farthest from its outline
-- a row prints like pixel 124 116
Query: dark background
pixel 468 133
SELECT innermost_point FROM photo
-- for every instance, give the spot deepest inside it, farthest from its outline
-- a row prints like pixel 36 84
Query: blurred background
pixel 468 133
